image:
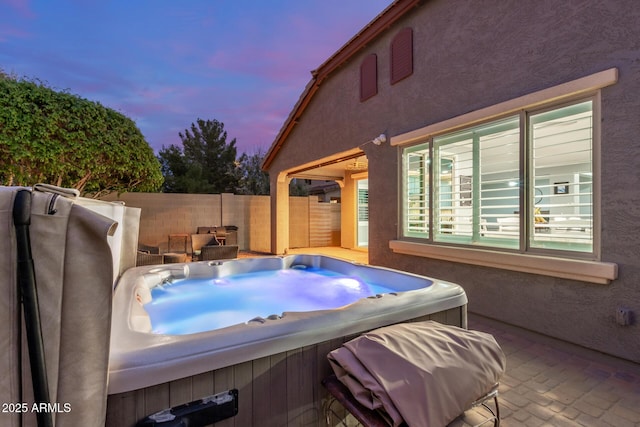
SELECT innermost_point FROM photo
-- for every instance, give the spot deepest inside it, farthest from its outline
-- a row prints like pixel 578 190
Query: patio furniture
pixel 174 257
pixel 206 230
pixel 146 258
pixel 150 249
pixel 148 255
pixel 219 252
pixel 230 237
pixel 226 235
pixel 200 240
pixel 443 371
pixel 178 242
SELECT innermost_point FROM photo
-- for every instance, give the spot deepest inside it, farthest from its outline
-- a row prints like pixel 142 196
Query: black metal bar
pixel 29 296
pixel 199 413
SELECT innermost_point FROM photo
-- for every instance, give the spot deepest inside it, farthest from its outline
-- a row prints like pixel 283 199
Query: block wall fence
pixel 312 223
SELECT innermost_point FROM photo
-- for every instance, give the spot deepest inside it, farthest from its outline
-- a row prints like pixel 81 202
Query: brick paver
pixel 552 383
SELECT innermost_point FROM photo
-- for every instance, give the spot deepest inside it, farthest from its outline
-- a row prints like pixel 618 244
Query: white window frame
pixel 551 263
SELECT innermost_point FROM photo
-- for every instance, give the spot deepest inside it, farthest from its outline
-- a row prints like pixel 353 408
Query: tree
pixel 205 164
pixel 298 187
pixel 174 169
pixel 62 139
pixel 253 180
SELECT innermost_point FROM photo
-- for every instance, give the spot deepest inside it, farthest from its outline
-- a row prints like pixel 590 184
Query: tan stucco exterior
pixel 468 56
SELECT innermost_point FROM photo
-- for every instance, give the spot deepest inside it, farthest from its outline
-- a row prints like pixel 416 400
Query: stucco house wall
pixel 469 55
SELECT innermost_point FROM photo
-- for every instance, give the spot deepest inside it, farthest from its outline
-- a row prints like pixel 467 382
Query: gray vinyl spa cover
pixel 74 271
pixel 424 373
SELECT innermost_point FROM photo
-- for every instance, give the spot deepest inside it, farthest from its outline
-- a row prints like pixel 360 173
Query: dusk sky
pixel 166 63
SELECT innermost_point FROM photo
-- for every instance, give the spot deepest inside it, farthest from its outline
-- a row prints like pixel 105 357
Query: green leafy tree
pixel 253 180
pixel 62 139
pixel 205 164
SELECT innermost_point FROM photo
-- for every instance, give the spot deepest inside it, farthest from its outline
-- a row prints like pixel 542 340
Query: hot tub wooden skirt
pixel 283 389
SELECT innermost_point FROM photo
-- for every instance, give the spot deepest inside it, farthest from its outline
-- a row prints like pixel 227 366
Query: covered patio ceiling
pixel 331 168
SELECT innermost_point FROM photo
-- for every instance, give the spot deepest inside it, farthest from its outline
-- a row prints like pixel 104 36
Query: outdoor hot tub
pixel 167 349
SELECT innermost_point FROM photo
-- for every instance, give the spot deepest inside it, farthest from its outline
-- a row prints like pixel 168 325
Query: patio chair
pixel 148 248
pixel 200 240
pixel 148 255
pixel 225 234
pixel 206 230
pixel 178 243
pixel 231 237
pixel 219 252
pixel 174 257
pixel 146 258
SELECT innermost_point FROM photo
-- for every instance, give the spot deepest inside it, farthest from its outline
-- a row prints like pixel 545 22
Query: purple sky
pixel 166 63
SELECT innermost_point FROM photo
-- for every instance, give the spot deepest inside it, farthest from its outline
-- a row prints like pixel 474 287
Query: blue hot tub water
pixel 188 306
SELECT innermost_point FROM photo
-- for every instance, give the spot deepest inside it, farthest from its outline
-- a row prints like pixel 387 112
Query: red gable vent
pixel 369 77
pixel 402 55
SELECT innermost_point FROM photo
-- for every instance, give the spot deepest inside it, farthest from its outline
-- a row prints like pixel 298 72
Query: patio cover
pixel 424 373
pixel 74 269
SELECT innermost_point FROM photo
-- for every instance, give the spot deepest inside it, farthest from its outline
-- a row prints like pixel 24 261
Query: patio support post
pixel 280 214
pixel 348 220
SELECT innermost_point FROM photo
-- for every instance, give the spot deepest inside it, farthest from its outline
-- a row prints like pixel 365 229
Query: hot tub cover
pixel 424 373
pixel 74 267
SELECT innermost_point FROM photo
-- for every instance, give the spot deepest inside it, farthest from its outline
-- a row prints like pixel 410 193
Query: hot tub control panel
pixel 198 413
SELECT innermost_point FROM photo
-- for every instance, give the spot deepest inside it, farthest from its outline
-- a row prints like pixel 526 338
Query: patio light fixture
pixel 380 139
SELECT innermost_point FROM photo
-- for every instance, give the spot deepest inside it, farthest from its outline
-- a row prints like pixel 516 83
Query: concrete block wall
pixel 173 213
pixel 259 224
pixel 164 214
pixel 299 221
pixel 235 211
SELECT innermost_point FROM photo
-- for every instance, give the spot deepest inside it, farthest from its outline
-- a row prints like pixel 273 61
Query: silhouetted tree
pixel 206 163
pixel 298 187
pixel 253 180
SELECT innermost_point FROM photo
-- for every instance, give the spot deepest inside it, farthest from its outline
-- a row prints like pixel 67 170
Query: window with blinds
pixel 562 177
pixel 476 185
pixel 523 182
pixel 416 191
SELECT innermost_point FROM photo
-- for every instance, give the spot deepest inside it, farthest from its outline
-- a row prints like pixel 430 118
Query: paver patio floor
pixel 548 382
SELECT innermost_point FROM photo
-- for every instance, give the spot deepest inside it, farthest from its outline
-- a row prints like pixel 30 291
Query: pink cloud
pixel 8 32
pixel 21 7
pixel 243 66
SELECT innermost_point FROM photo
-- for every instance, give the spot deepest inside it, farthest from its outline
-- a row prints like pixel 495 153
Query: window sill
pixel 582 270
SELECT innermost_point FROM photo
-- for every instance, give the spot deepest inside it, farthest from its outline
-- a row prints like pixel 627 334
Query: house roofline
pixel 380 23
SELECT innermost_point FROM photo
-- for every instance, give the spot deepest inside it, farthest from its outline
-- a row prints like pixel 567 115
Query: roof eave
pixel 380 23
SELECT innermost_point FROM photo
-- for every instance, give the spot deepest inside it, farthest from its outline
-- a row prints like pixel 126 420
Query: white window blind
pixel 524 182
pixel 363 204
pixel 477 195
pixel 416 191
pixel 562 165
